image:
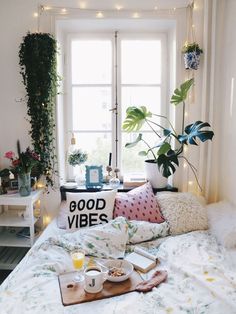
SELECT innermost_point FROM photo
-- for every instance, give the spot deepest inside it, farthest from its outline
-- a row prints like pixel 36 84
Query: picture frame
pixel 94 177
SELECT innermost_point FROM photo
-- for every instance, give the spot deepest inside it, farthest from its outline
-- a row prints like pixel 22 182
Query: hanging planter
pixel 37 55
pixel 192 54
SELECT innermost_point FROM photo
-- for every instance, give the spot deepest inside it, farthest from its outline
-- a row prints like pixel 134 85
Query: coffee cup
pixel 94 278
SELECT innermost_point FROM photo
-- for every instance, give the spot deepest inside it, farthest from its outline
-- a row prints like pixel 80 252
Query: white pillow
pixel 182 211
pixel 222 223
pixel 86 209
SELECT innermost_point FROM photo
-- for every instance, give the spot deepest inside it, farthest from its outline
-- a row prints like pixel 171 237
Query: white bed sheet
pixel 201 279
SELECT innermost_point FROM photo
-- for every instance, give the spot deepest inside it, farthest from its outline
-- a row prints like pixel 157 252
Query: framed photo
pixel 94 177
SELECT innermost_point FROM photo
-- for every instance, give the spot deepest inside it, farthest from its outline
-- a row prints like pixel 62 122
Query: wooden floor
pixel 3 275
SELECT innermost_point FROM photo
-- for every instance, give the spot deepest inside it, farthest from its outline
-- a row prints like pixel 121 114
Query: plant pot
pixel 192 60
pixel 24 184
pixel 153 175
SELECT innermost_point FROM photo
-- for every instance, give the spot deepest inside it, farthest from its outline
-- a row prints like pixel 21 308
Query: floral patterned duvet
pixel 201 278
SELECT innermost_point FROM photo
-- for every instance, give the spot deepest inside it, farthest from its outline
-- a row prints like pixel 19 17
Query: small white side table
pixel 10 244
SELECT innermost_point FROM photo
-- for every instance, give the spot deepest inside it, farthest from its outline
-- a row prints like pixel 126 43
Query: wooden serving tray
pixel 72 293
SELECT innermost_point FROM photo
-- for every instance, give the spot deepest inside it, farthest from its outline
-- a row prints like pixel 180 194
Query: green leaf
pixel 194 131
pixel 180 94
pixel 166 163
pixel 166 132
pixel 143 153
pixel 138 139
pixel 165 147
pixel 135 118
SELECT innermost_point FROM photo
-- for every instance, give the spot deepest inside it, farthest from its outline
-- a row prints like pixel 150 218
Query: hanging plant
pixel 192 53
pixel 37 55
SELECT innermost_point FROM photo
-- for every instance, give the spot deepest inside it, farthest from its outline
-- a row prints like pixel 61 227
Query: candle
pixel 110 155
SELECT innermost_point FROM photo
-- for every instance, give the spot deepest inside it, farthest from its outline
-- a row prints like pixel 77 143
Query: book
pixel 133 180
pixel 142 260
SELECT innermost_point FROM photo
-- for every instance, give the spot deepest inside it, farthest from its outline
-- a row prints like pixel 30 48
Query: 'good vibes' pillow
pixel 138 204
pixel 89 209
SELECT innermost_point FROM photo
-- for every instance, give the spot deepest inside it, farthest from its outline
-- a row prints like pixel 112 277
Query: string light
pixel 155 8
pixel 119 7
pixel 82 5
pixel 36 14
pixel 46 8
pixel 185 165
pixel 185 149
pixel 63 10
pixel 136 15
pixel 99 15
pixel 186 114
pixel 190 183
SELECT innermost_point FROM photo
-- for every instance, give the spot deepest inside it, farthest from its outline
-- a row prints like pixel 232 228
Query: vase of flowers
pixel 22 166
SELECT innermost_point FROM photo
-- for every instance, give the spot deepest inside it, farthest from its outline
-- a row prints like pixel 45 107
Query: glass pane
pixel 131 161
pixel 140 61
pixel 91 61
pixel 91 108
pixel 149 97
pixel 97 146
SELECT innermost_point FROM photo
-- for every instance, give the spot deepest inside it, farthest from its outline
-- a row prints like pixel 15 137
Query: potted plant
pixel 170 145
pixel 192 53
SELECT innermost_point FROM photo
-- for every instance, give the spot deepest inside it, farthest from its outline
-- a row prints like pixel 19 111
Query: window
pixel 94 85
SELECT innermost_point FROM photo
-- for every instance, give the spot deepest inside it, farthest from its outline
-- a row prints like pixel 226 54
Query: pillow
pixel 86 209
pixel 183 212
pixel 222 223
pixel 138 204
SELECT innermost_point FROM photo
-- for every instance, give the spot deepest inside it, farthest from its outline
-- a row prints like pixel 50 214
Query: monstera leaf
pixel 134 143
pixel 180 94
pixel 194 131
pixel 166 163
pixel 135 118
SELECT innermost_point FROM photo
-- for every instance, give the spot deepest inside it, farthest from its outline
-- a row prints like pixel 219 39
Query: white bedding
pixel 201 278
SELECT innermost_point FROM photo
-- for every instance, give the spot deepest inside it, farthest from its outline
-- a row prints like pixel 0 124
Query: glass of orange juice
pixel 78 263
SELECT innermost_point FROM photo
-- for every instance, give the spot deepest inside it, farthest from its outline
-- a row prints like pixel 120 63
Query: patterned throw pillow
pixel 182 211
pixel 138 204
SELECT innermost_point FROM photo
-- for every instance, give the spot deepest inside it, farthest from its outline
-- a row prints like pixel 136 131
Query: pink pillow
pixel 138 204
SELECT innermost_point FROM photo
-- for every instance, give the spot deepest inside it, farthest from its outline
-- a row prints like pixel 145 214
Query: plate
pixel 126 266
pixel 70 185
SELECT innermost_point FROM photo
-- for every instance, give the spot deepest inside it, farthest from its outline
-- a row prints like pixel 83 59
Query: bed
pixel 201 272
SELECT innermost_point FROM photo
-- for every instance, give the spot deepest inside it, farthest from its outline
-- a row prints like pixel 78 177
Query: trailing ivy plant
pixel 38 53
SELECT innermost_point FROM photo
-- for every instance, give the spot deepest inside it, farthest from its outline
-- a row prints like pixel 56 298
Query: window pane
pixel 131 161
pixel 140 62
pixel 91 61
pixel 91 108
pixel 142 96
pixel 97 146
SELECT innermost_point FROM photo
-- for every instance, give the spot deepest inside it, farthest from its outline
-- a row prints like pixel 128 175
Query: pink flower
pixel 9 155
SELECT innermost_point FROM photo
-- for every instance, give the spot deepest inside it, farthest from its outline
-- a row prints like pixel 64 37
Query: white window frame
pixel 111 36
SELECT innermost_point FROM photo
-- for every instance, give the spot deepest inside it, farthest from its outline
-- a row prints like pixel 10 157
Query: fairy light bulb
pixel 136 15
pixel 99 15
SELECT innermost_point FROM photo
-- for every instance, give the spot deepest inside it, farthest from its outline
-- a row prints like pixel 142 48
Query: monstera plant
pixel 170 145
